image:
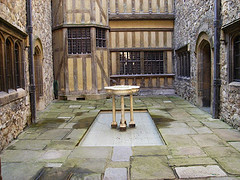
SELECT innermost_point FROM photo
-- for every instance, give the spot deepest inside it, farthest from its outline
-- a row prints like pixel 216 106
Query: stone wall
pixel 230 91
pixel 191 19
pixel 230 11
pixel 42 30
pixel 14 12
pixel 14 117
pixel 15 106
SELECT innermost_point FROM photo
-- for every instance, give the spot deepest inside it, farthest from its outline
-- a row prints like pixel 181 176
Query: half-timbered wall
pixel 81 71
pixel 142 37
pixel 80 12
pixel 141 6
pixel 144 26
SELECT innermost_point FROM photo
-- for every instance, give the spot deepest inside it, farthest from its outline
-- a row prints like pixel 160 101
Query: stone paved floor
pixel 197 146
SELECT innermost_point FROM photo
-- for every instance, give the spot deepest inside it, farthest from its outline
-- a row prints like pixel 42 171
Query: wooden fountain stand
pixel 122 91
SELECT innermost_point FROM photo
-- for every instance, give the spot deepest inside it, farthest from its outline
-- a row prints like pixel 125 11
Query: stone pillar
pixel 123 125
pixel 132 123
pixel 114 123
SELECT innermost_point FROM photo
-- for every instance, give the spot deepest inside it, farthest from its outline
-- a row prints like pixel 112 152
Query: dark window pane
pixel 183 64
pixel 17 65
pixel 9 65
pixel 237 58
pixel 153 62
pixel 130 63
pixel 1 67
pixel 79 41
pixel 100 37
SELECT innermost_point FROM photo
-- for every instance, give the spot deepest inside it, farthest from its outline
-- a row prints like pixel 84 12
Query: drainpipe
pixel 216 73
pixel 32 87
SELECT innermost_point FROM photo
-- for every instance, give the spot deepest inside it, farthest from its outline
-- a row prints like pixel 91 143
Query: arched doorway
pixel 38 75
pixel 204 73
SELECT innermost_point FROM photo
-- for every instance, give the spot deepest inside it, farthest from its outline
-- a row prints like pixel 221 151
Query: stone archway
pixel 38 68
pixel 206 75
pixel 204 72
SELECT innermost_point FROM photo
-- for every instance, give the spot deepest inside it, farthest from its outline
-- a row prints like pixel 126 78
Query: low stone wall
pixel 186 91
pixel 230 106
pixel 14 117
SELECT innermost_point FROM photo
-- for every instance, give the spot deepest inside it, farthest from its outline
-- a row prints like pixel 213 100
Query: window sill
pixel 235 84
pixel 184 78
pixel 6 98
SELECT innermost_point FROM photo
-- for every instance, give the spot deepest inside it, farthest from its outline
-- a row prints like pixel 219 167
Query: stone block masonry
pixel 192 20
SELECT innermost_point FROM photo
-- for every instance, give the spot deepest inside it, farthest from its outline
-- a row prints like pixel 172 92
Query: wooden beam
pixel 101 9
pixel 143 75
pixel 140 29
pixel 79 25
pixel 102 69
pixel 140 49
pixel 163 16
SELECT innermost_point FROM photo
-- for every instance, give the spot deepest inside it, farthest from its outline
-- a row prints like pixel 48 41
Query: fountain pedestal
pixel 122 90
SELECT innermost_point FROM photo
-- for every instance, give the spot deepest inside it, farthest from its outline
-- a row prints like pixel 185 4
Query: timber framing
pixel 140 29
pixel 79 25
pixel 139 49
pixel 142 75
pixel 163 16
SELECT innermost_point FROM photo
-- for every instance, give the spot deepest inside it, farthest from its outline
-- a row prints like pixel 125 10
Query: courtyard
pixel 194 145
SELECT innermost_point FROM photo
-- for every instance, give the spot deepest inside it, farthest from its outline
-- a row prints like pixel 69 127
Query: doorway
pixel 204 75
pixel 38 75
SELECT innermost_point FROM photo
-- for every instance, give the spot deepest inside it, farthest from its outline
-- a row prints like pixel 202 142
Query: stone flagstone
pixel 115 174
pixel 121 153
pixel 20 171
pixel 21 155
pixel 54 134
pixel 205 140
pixel 54 156
pixel 150 167
pixel 199 171
pixel 236 145
pixel 221 151
pixel 185 161
pixel 192 151
pixel 211 152
pixel 230 164
pixel 29 145
pixel 228 134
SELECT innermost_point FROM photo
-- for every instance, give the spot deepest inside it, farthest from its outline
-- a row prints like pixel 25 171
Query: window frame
pixel 126 62
pixel 234 78
pixel 79 44
pixel 12 73
pixel 152 62
pixel 231 31
pixel 101 38
pixel 144 63
pixel 183 63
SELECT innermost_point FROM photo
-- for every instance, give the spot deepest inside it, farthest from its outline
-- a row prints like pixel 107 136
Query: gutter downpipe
pixel 32 87
pixel 216 75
